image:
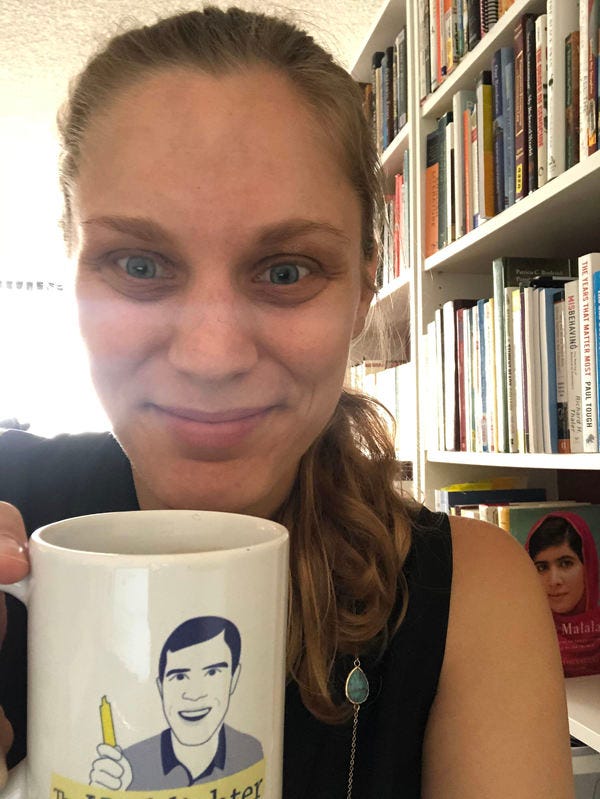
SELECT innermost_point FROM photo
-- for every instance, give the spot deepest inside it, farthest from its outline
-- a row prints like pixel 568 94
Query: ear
pixel 235 678
pixel 366 293
pixel 159 686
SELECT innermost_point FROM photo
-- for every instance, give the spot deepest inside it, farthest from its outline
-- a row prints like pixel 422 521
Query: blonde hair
pixel 350 530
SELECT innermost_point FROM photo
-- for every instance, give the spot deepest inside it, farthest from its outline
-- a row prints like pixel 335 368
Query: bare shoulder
pixel 500 700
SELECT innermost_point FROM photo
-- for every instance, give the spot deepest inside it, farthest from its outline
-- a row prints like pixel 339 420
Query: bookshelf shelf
pixel 393 156
pixel 536 225
pixel 465 74
pixel 583 700
pixel 580 461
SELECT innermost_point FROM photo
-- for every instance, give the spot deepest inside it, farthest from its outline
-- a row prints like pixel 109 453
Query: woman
pixel 563 549
pixel 221 197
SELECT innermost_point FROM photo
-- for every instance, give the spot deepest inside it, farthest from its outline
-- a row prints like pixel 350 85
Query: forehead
pixel 555 553
pixel 184 142
pixel 202 654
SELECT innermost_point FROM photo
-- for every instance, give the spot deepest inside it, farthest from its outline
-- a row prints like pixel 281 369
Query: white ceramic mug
pixel 156 657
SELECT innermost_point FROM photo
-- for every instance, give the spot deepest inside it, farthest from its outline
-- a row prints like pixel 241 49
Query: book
pixel 443 123
pixel 441 388
pixel 402 80
pixel 489 15
pixel 521 116
pixel 573 366
pixel 474 23
pixel 541 62
pixel 498 133
pixel 531 370
pixel 432 172
pixel 450 34
pixel 563 543
pixel 513 272
pixel 562 19
pixel 485 145
pixel 424 50
pixel 572 104
pixel 434 17
pixel 507 57
pixel 546 298
pixel 588 265
pixel 592 70
pixel 450 189
pixel 474 176
pixel 452 358
pixel 596 304
pixel 562 407
pixel 376 60
pixel 531 101
pixel 446 499
pixel 508 412
pixel 462 101
pixel 490 372
pixel 518 357
pixel 481 408
pixel 461 361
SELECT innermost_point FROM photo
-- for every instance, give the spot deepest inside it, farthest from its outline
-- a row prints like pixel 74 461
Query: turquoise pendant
pixel 357 685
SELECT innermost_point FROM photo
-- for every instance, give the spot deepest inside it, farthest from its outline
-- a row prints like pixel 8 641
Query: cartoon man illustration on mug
pixel 198 671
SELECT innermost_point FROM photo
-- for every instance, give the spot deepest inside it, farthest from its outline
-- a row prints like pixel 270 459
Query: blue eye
pixel 284 274
pixel 140 266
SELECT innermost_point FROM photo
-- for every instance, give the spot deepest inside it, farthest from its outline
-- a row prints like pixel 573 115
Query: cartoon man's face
pixel 196 689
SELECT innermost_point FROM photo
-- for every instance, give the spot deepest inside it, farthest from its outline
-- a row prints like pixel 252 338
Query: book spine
pixel 531 102
pixel 476 382
pixel 450 189
pixel 441 44
pixel 572 111
pixel 467 169
pixel 562 406
pixel 461 49
pixel 442 177
pixel 474 23
pixel 592 117
pixel 402 80
pixel 562 20
pixel 389 96
pixel 583 76
pixel 431 190
pixel 573 365
pixel 433 47
pixel 508 97
pixel 498 133
pixel 439 360
pixel 596 305
pixel 450 29
pixel 424 59
pixel 510 374
pixel 460 359
pixel 521 167
pixel 588 264
pixel 394 89
pixel 468 359
pixel 541 63
pixel 500 331
pixel 485 146
pixel 397 222
pixel 490 371
pixel 451 439
pixel 474 169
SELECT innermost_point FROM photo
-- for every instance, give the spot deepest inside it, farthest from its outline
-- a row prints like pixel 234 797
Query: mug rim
pixel 281 534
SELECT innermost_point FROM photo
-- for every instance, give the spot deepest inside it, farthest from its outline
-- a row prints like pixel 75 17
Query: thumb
pixel 14 562
pixel 6 740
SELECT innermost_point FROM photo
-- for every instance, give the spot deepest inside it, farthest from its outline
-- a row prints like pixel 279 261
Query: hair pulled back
pixel 350 530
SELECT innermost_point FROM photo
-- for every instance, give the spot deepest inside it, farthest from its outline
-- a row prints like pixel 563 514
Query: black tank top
pixel 51 479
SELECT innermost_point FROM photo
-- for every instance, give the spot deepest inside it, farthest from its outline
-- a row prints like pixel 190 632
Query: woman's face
pixel 219 284
pixel 563 576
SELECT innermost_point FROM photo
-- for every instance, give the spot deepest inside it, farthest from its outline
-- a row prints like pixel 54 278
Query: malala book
pixel 564 544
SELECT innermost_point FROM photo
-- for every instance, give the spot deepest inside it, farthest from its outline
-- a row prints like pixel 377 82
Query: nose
pixel 213 335
pixel 554 576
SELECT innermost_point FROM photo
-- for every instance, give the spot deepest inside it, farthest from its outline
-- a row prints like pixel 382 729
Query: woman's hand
pixel 14 565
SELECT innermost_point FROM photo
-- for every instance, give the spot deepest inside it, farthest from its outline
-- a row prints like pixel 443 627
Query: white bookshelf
pixel 583 700
pixel 562 218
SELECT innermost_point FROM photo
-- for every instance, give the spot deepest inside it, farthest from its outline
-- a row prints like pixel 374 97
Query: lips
pixel 194 715
pixel 211 434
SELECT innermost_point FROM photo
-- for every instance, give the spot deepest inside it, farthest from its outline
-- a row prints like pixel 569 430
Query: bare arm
pixel 14 565
pixel 498 727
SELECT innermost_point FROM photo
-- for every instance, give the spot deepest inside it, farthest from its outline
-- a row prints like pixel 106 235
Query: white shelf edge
pixel 391 158
pixel 520 209
pixel 583 702
pixel 394 286
pixel 538 460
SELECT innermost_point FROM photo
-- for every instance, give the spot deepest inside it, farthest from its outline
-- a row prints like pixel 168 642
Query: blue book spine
pixel 482 372
pixel 596 304
pixel 507 56
pixel 460 29
pixel 498 132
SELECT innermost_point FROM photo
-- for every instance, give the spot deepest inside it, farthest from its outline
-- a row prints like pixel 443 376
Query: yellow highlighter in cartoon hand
pixel 106 720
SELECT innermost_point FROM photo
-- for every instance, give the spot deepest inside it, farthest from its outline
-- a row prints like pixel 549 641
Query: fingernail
pixel 13 549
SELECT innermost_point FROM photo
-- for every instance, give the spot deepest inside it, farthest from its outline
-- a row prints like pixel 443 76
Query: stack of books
pixel 530 116
pixel 518 371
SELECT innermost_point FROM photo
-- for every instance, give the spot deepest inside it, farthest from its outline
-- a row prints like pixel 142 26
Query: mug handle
pixel 16 786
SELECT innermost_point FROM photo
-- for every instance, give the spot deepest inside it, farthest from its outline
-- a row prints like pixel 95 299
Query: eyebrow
pixel 222 665
pixel 148 230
